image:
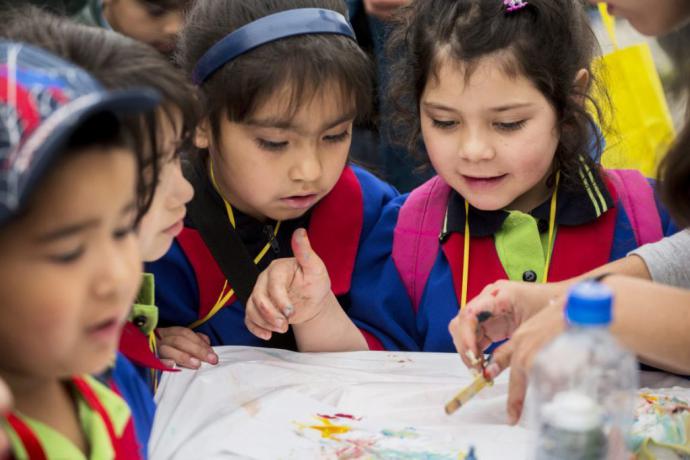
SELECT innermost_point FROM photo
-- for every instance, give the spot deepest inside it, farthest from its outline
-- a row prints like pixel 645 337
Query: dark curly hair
pixel 548 41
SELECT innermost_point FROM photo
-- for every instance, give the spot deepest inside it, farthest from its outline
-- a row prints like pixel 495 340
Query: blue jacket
pixel 189 281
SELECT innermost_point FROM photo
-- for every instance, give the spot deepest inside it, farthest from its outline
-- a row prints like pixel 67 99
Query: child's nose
pixel 475 147
pixel 307 168
pixel 112 281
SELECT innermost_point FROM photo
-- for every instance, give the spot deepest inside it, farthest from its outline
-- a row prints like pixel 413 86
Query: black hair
pixel 548 42
pixel 304 63
pixel 118 62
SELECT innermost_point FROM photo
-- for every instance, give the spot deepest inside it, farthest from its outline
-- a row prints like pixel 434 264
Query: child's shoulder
pixel 370 182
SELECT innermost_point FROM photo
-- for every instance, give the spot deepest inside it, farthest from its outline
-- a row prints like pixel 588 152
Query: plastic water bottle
pixel 582 387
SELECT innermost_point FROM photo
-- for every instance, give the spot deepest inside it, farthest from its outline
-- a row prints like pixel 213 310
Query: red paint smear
pixel 337 416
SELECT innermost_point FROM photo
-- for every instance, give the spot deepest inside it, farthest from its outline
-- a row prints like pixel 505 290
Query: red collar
pixel 335 227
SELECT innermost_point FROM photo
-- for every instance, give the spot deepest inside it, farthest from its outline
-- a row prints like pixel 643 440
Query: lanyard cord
pixel 224 296
pixel 549 247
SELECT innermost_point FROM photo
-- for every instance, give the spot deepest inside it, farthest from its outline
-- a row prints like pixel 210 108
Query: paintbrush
pixel 467 393
pixel 480 381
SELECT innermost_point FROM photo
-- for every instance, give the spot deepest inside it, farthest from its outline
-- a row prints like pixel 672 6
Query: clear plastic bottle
pixel 582 387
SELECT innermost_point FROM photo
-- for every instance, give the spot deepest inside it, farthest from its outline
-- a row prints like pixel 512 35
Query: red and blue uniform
pixel 592 228
pixel 190 282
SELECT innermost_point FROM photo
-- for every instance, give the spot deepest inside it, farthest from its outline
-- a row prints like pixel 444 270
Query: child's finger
pixel 180 358
pixel 260 332
pixel 187 341
pixel 280 275
pixel 262 313
pixel 459 328
pixel 204 337
pixel 309 262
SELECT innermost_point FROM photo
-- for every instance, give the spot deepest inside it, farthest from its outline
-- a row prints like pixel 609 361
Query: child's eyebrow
pixel 288 124
pixel 67 231
pixel 507 107
pixel 79 227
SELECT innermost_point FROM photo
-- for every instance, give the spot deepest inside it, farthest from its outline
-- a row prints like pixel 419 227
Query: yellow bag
pixel 640 129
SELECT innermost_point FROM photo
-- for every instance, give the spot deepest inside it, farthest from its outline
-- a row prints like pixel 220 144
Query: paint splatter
pixel 337 416
pixel 407 433
pixel 328 429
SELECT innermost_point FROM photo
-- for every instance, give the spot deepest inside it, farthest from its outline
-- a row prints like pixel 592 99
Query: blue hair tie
pixel 301 21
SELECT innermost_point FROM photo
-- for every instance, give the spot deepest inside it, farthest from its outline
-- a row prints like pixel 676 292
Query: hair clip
pixel 514 5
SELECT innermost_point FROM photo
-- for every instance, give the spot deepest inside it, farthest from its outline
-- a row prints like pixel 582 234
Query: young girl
pixel 497 92
pixel 272 156
pixel 154 22
pixel 70 260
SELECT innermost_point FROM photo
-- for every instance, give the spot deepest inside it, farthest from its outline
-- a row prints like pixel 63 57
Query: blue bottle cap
pixel 589 304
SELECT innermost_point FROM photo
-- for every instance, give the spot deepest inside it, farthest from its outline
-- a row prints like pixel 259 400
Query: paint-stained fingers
pixel 500 359
pixel 280 275
pixel 261 312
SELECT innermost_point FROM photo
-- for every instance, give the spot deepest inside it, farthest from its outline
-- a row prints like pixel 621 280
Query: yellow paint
pixel 328 429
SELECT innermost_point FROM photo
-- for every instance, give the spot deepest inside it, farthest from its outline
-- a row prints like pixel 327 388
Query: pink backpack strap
pixel 637 196
pixel 416 235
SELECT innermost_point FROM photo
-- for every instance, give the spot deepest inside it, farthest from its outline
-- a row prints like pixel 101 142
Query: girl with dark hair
pixel 120 62
pixel 281 83
pixel 649 318
pixel 70 265
pixel 496 91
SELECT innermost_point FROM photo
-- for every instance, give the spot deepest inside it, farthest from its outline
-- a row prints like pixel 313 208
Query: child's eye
pixel 154 10
pixel 67 257
pixel 337 137
pixel 270 145
pixel 514 126
pixel 124 232
pixel 443 124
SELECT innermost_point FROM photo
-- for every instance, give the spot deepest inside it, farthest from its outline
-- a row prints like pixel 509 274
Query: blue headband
pixel 302 21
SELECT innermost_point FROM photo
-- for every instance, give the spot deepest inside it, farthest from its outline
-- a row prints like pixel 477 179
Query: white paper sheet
pixel 259 404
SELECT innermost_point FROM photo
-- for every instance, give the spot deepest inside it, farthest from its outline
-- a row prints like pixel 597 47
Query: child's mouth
pixel 483 182
pixel 108 330
pixel 300 201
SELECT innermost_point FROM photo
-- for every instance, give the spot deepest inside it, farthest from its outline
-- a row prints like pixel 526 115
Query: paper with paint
pixel 662 424
pixel 275 404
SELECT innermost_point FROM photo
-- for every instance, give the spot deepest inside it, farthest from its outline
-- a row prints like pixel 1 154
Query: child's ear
pixel 581 84
pixel 202 134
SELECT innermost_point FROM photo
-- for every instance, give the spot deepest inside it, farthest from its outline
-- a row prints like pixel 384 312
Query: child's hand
pixel 185 347
pixel 290 291
pixel 490 317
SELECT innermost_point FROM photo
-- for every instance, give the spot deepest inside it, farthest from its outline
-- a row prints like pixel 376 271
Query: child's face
pixel 492 138
pixel 165 218
pixel 70 268
pixel 651 17
pixel 275 166
pixel 145 21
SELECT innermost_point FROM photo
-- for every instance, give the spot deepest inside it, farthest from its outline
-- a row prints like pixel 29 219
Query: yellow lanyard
pixel 549 247
pixel 224 296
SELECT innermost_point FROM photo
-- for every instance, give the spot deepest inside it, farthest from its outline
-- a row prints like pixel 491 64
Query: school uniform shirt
pixel 55 446
pixel 503 245
pixel 189 282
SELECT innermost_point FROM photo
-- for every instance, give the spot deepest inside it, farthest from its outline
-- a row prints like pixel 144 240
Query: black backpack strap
pixel 225 244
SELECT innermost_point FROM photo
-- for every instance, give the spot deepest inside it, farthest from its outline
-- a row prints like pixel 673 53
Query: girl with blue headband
pixel 494 93
pixel 282 82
